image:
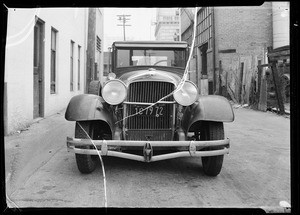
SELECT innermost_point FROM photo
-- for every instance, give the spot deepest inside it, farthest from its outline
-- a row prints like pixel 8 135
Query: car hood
pixel 150 75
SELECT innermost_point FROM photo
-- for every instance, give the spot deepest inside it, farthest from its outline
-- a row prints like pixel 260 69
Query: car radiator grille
pixel 151 126
pixel 149 91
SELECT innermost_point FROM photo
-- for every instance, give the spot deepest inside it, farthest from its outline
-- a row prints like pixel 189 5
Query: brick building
pixel 229 43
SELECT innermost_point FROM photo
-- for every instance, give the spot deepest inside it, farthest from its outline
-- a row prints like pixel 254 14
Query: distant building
pixel 186 27
pixel 109 40
pixel 186 24
pixel 107 63
pixel 230 42
pixel 45 62
pixel 167 24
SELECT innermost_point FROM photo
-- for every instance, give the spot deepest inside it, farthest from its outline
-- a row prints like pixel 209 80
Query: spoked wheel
pixel 212 131
pixel 85 163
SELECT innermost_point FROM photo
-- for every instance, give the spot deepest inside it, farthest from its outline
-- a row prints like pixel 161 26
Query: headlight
pixel 187 95
pixel 114 92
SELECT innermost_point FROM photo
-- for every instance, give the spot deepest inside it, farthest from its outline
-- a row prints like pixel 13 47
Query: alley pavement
pixel 256 173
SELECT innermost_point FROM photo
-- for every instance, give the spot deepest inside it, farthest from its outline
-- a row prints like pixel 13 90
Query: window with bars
pixel 53 61
pixel 72 66
pixel 204 26
pixel 78 62
pixel 98 44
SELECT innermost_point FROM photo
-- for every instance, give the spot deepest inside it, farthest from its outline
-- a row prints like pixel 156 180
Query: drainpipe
pixel 213 46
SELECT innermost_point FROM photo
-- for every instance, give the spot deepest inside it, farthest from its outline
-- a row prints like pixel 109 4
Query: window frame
pixel 53 61
pixel 78 65
pixel 131 50
pixel 72 65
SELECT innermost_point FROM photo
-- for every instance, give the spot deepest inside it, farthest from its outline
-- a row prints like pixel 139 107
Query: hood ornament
pixel 151 73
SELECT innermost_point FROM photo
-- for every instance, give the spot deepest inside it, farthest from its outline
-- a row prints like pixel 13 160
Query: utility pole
pixel 123 18
pixel 91 44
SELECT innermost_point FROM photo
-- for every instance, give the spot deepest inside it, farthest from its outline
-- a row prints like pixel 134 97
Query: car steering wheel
pixel 159 62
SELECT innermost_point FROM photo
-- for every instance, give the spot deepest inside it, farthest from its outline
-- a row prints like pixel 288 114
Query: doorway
pixel 202 68
pixel 203 50
pixel 38 69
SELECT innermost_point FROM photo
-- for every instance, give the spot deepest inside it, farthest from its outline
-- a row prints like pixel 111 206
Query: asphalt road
pixel 41 173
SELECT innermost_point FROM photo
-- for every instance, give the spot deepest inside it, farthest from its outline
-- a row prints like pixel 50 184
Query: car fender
pixel 207 108
pixel 86 107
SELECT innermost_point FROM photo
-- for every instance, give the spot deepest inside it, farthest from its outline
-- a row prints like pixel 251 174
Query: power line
pixel 123 18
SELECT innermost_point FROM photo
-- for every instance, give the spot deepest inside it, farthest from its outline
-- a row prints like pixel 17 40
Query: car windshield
pixel 151 57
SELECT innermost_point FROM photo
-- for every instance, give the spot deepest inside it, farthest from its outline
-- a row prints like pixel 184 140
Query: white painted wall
pixel 18 72
pixel 165 27
pixel 71 25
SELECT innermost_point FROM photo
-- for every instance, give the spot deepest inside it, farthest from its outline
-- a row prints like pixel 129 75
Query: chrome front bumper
pixel 108 145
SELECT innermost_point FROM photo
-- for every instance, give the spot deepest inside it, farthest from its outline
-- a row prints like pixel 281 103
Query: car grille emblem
pixel 148 137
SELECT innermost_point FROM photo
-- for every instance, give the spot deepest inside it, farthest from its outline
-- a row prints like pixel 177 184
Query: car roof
pixel 151 44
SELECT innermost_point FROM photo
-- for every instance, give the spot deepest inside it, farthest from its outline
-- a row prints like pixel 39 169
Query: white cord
pixel 102 165
pixel 185 75
pixel 184 78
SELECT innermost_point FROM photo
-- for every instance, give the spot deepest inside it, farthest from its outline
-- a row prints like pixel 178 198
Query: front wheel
pixel 85 163
pixel 212 131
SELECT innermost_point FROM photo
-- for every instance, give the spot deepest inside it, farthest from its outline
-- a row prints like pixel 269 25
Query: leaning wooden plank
pixel 277 84
pixel 262 105
pixel 230 92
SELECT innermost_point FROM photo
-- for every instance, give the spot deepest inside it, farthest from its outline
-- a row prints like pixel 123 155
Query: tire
pixel 212 131
pixel 85 163
pixel 95 88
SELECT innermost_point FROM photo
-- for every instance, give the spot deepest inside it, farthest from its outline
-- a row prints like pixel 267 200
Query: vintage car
pixel 148 111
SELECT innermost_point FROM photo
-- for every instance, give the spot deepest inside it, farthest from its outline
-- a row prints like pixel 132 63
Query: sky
pixel 141 21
